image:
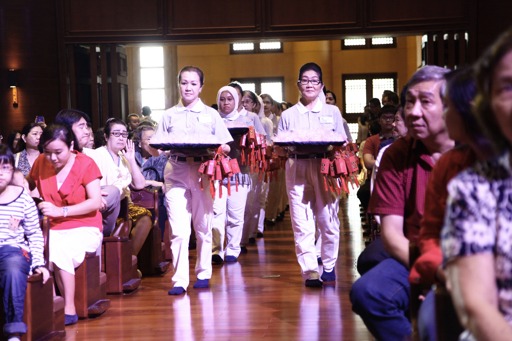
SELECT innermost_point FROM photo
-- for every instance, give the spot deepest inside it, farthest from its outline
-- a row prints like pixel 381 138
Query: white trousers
pixel 256 199
pixel 228 220
pixel 276 196
pixel 187 203
pixel 309 201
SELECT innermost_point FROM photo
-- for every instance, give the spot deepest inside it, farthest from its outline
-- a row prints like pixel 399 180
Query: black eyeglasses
pixel 118 133
pixel 388 119
pixel 6 169
pixel 305 81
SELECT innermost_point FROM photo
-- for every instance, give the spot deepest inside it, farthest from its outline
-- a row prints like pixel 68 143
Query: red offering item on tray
pixel 202 167
pixel 340 167
pixel 324 166
pixel 210 169
pixel 251 135
pixel 235 168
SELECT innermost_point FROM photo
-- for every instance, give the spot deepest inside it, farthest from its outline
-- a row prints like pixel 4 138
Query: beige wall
pixel 219 66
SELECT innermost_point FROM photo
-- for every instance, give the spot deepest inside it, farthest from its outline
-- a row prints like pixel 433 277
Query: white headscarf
pixel 321 96
pixel 233 93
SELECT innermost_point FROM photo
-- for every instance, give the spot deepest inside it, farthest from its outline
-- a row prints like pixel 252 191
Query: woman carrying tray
pixel 192 126
pixel 307 124
pixel 228 218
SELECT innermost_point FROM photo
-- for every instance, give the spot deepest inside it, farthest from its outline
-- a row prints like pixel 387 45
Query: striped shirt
pixel 19 227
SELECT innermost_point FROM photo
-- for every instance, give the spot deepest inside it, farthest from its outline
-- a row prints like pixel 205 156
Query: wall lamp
pixel 13 84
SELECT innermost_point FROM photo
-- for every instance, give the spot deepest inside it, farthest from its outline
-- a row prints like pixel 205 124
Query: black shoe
pixel 192 245
pixel 243 249
pixel 231 259
pixel 328 277
pixel 202 284
pixel 176 291
pixel 216 259
pixel 313 283
pixel 269 222
pixel 280 216
pixel 259 235
pixel 252 240
pixel 70 319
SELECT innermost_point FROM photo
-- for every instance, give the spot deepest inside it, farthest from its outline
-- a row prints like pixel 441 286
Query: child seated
pixel 21 245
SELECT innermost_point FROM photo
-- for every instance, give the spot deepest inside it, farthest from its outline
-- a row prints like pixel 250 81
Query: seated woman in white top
pixel 116 161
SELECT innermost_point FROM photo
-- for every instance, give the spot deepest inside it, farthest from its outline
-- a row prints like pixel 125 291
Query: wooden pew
pixel 118 262
pixel 90 288
pixel 448 325
pixel 152 257
pixel 414 294
pixel 42 309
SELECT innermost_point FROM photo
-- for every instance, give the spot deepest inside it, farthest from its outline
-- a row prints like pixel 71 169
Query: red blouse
pixel 71 192
pixel 447 167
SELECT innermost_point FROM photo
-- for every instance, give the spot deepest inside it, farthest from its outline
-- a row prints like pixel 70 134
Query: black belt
pixel 189 158
pixel 307 156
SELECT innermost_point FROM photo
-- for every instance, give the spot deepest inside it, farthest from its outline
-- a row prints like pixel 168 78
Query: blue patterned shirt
pixel 479 220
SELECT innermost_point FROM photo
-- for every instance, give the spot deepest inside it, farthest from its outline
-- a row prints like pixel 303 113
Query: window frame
pixel 352 117
pixel 257 48
pixel 258 80
pixel 156 112
pixel 368 44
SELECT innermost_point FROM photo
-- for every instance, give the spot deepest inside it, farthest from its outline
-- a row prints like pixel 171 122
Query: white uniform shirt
pixel 323 117
pixel 200 120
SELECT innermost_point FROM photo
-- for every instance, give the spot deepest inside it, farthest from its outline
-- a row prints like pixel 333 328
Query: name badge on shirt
pixel 205 119
pixel 326 119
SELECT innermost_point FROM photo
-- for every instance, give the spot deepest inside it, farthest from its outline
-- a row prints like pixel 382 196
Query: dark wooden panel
pixel 29 44
pixel 213 17
pixel 113 18
pixel 411 13
pixel 281 15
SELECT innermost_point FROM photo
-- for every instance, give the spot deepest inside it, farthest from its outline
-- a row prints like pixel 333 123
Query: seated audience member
pixel 363 193
pixel 69 185
pixel 116 161
pixel 77 121
pixel 21 250
pixel 381 295
pixel 477 230
pixel 13 140
pixel 374 252
pixel 153 163
pixel 132 121
pixel 374 106
pixel 363 126
pixel 91 143
pixel 141 137
pixel 146 115
pixel 330 98
pixel 390 98
pixel 463 128
pixel 28 147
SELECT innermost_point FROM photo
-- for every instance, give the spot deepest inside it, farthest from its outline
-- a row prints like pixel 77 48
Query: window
pixel 152 81
pixel 263 47
pixel 358 89
pixel 368 43
pixel 272 86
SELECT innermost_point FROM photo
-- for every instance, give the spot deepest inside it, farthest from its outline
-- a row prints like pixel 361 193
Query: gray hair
pixel 429 73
